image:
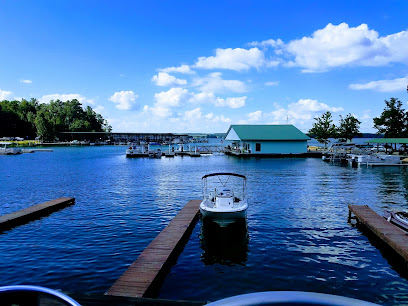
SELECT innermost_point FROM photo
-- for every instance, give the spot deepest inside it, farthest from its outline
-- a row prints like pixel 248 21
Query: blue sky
pixel 199 66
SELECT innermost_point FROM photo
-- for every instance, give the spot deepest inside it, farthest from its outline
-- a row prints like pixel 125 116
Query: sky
pixel 200 66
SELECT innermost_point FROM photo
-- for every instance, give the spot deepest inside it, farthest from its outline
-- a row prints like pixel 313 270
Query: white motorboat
pixel 5 150
pixel 224 198
pixel 377 159
pixel 399 219
pixel 137 151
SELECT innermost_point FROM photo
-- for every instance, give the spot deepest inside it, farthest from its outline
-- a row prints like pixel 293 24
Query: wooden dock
pixel 33 212
pixel 389 233
pixel 143 276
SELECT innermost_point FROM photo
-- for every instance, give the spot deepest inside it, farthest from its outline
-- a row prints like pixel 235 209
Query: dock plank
pixel 33 212
pixel 392 235
pixel 149 267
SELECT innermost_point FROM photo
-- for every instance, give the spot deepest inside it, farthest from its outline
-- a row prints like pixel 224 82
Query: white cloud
pixel 181 69
pixel 26 81
pixel 383 85
pixel 166 100
pixel 99 109
pixel 267 43
pixel 125 100
pixel 255 116
pixel 5 95
pixel 336 46
pixel 271 83
pixel 214 83
pixel 65 97
pixel 234 59
pixel 214 118
pixel 164 79
pixel 301 111
pixel 234 102
pixel 192 115
pixel 202 97
pixel 237 102
pixel 177 98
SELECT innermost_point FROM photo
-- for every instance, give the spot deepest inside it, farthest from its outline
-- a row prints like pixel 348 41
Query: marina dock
pixel 145 274
pixel 389 233
pixel 33 212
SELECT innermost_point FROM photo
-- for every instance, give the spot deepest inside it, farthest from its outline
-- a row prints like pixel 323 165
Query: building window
pixel 258 147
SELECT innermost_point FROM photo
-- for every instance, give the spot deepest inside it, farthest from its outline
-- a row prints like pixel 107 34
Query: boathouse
pixel 266 140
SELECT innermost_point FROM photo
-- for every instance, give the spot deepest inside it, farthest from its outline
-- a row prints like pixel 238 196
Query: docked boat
pixel 375 159
pixel 137 151
pixel 6 150
pixel 399 219
pixel 224 198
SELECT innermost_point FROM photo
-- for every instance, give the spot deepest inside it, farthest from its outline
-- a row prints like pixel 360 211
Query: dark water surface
pixel 298 237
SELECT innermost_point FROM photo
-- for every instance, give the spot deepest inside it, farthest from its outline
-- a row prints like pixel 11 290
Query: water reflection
pixel 224 245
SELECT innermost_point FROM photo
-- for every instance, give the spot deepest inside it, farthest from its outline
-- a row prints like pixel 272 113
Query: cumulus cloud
pixel 341 45
pixel 215 83
pixel 178 98
pixel 166 100
pixel 192 115
pixel 383 85
pixel 5 95
pixel 99 109
pixel 181 69
pixel 234 59
pixel 255 116
pixel 304 109
pixel 164 79
pixel 125 100
pixel 267 43
pixel 26 81
pixel 237 102
pixel 65 97
pixel 214 118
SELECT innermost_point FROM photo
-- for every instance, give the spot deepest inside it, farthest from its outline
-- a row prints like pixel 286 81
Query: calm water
pixel 298 237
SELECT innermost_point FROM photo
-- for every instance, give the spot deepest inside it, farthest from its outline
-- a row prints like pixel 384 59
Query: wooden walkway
pixel 395 237
pixel 151 265
pixel 33 212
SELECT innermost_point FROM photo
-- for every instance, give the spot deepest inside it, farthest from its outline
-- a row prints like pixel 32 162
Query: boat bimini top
pixel 223 189
pixel 224 173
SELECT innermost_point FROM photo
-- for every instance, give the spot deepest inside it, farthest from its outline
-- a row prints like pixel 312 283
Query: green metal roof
pixel 388 140
pixel 268 132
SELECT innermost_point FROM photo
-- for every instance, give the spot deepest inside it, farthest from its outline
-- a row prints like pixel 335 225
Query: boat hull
pixel 399 219
pixel 223 218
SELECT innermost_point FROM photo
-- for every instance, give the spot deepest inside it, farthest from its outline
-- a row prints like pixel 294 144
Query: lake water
pixel 298 237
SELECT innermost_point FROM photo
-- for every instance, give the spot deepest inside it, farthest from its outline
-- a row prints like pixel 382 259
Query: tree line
pixel 31 119
pixel 392 123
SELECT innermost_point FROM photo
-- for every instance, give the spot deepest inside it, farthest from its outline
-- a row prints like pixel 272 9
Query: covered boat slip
pixel 390 142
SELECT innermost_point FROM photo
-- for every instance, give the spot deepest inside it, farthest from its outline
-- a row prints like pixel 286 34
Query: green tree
pixel 45 129
pixel 349 128
pixel 30 118
pixel 393 120
pixel 323 128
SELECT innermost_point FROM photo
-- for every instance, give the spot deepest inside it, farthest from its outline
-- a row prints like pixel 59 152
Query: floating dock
pixel 143 276
pixel 33 212
pixel 389 233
